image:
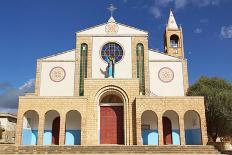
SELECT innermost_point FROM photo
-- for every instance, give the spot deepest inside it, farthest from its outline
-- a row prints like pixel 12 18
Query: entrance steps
pixel 108 149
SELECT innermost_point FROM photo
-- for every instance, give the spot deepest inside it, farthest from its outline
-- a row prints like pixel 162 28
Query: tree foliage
pixel 217 94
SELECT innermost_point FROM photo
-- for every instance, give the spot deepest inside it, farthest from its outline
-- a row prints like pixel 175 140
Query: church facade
pixel 113 89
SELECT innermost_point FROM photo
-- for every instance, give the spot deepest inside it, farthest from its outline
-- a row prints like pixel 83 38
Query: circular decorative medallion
pixel 57 74
pixel 111 27
pixel 166 74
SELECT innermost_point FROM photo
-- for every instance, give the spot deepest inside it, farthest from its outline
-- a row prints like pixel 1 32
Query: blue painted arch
pixel 192 125
pixel 30 128
pixel 50 116
pixel 73 128
pixel 149 128
pixel 174 117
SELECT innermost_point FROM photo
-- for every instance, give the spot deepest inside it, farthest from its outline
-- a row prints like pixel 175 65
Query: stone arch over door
pixel 73 128
pixel 192 126
pixel 51 128
pixel 113 101
pixel 171 128
pixel 149 128
pixel 30 128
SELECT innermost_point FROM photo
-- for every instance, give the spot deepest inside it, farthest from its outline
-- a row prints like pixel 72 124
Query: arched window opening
pixel 52 128
pixel 171 129
pixel 140 67
pixel 149 128
pixel 174 41
pixel 30 128
pixel 73 128
pixel 192 128
pixel 83 67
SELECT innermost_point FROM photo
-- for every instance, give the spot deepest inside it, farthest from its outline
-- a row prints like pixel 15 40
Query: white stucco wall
pixel 191 120
pixel 73 120
pixel 149 118
pixel 31 121
pixel 49 117
pixel 3 122
pixel 62 88
pixel 123 69
pixel 124 30
pixel 173 117
pixel 7 125
pixel 173 88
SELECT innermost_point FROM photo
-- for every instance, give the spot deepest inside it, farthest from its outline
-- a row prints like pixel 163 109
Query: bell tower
pixel 173 38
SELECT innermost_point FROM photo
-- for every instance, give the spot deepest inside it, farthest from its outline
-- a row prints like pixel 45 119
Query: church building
pixel 113 89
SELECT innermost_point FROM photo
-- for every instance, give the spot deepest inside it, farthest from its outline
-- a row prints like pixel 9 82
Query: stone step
pixel 104 149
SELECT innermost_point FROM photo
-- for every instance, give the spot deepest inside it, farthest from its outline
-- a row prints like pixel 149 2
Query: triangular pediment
pixel 122 30
pixel 158 56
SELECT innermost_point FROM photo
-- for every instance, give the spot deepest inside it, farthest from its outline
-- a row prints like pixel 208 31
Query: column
pixel 138 127
pixel 62 129
pixel 203 128
pixel 19 127
pixel 41 128
pixel 160 129
pixel 182 131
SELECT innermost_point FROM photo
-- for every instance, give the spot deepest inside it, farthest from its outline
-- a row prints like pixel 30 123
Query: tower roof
pixel 172 22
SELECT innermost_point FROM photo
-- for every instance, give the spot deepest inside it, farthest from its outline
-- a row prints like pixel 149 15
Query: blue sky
pixel 30 29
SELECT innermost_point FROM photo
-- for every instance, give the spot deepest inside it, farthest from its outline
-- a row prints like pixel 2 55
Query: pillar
pixel 19 127
pixel 138 127
pixel 203 127
pixel 41 128
pixel 182 131
pixel 62 129
pixel 160 129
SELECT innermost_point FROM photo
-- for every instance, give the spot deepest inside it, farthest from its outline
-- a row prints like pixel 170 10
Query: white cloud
pixel 9 98
pixel 180 3
pixel 226 32
pixel 125 1
pixel 198 30
pixel 155 11
pixel 158 5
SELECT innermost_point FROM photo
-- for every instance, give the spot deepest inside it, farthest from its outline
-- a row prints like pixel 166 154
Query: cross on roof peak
pixel 111 8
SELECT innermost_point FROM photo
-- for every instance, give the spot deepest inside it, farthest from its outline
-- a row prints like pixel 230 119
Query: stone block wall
pixel 41 105
pixel 180 105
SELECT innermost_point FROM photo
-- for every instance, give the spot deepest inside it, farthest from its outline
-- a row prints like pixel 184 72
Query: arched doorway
pixel 192 128
pixel 73 128
pixel 111 119
pixel 52 128
pixel 30 128
pixel 171 130
pixel 149 128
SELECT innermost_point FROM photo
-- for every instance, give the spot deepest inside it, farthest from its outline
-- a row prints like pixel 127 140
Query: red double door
pixel 111 125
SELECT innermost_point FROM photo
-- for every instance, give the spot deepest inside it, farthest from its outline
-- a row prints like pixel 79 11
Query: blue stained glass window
pixel 112 50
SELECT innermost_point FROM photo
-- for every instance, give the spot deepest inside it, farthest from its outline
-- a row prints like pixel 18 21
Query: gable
pixel 64 56
pixel 123 30
pixel 157 56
